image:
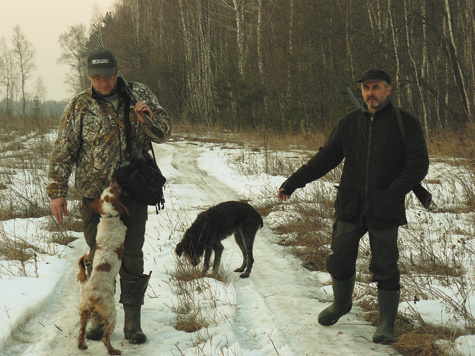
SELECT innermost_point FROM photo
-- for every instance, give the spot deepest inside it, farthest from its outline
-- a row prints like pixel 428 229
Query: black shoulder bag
pixel 141 178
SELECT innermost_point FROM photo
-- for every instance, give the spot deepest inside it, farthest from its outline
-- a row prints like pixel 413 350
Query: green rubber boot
pixel 342 302
pixel 132 329
pixel 132 298
pixel 388 305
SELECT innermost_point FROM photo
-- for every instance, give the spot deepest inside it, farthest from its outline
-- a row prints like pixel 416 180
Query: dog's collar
pixel 109 216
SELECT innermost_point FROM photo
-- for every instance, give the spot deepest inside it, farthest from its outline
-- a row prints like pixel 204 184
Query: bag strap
pixel 401 124
pixel 126 125
pixel 113 115
pixel 123 125
pixel 128 128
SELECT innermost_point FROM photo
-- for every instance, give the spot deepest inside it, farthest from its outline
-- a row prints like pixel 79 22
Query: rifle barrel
pixel 98 42
pixel 353 97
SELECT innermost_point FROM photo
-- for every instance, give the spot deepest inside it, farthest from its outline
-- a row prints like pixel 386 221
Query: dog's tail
pixel 261 221
pixel 82 275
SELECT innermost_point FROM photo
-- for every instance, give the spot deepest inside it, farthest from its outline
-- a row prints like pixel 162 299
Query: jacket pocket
pixel 346 204
pixel 388 205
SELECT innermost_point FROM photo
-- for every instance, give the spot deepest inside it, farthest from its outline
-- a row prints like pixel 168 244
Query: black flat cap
pixel 375 74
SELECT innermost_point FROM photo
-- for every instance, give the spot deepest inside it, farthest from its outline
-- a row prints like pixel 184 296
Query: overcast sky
pixel 42 21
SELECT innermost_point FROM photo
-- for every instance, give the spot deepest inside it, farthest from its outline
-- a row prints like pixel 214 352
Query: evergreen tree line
pixel 285 64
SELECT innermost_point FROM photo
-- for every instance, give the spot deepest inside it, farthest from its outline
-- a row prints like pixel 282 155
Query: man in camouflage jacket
pixel 94 142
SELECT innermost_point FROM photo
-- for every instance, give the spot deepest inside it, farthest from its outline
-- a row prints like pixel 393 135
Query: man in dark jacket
pixel 384 160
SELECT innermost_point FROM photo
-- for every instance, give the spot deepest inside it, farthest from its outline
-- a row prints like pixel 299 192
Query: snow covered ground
pixel 274 312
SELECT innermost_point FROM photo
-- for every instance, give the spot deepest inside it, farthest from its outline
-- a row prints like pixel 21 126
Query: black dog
pixel 217 223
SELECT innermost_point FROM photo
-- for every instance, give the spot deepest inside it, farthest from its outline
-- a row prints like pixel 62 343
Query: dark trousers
pixel 341 263
pixel 132 258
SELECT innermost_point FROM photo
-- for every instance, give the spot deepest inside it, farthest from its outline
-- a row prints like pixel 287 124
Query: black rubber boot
pixel 388 305
pixel 132 298
pixel 132 329
pixel 342 302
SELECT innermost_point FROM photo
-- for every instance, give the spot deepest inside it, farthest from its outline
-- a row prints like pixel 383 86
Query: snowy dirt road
pixel 273 312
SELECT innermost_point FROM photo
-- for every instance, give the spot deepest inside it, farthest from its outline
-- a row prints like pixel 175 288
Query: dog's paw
pixel 82 345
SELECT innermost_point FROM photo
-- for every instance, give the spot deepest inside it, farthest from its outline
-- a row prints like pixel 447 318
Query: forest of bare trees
pixel 286 63
pixel 16 65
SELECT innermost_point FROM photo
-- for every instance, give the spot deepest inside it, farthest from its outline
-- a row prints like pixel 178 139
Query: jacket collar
pixel 119 90
pixel 387 105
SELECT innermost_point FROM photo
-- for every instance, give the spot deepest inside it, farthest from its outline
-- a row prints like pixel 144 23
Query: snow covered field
pixel 274 312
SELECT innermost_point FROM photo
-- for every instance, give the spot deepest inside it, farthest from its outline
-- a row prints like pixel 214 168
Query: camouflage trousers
pixel 132 266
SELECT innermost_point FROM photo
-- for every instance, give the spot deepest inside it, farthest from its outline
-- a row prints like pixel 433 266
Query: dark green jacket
pixel 379 169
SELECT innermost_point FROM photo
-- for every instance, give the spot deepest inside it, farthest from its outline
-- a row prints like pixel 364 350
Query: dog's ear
pixel 96 205
pixel 119 206
pixel 179 249
pixel 82 276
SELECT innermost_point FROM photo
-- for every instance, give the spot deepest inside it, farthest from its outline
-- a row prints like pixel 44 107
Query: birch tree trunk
pixel 197 42
pixel 456 67
pixel 7 74
pixel 238 6
pixel 416 72
pixel 24 54
pixel 205 79
pixel 396 48
pixel 348 39
pixel 188 42
pixel 291 50
pixel 260 61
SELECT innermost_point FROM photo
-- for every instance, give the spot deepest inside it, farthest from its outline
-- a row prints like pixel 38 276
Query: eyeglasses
pixel 102 78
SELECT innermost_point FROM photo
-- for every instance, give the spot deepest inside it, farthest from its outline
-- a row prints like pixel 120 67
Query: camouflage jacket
pixel 92 141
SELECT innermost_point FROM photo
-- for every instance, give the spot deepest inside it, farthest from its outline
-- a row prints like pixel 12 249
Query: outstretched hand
pixel 282 195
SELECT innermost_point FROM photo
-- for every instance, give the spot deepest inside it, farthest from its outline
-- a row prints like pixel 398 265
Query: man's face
pixel 104 83
pixel 375 92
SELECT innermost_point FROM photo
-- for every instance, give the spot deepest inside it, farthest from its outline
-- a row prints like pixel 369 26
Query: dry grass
pixel 258 139
pixel 195 298
pixel 309 237
pixel 424 341
pixel 23 163
pixel 61 238
pixel 25 147
pixel 309 234
pixel 17 249
pixel 455 144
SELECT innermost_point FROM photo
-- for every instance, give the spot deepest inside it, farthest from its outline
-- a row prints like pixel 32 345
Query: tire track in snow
pixel 277 306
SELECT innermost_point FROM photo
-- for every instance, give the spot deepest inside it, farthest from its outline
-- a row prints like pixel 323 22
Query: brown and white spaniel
pixel 97 290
